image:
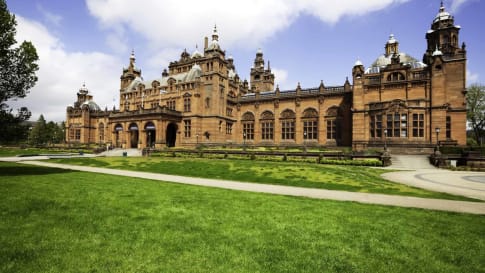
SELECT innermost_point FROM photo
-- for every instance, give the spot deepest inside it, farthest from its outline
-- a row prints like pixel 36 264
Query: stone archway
pixel 134 134
pixel 118 130
pixel 171 135
pixel 150 134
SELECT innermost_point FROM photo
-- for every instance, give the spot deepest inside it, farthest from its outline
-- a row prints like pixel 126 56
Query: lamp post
pixel 304 141
pixel 385 139
pixel 437 130
pixel 244 140
pixel 197 139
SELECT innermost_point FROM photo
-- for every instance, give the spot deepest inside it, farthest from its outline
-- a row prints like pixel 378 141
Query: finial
pixel 442 7
pixel 215 28
pixel 269 67
pixel 132 56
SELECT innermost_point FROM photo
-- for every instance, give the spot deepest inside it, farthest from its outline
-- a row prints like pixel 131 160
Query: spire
pixel 442 7
pixel 269 66
pixel 215 36
pixel 132 58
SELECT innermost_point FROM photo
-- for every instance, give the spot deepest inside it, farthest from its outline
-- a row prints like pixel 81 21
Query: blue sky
pixel 306 40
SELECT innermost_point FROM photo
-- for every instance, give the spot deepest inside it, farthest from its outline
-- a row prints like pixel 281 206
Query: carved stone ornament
pixel 267 115
pixel 276 103
pixel 248 116
pixel 310 113
pixel 287 114
pixel 298 102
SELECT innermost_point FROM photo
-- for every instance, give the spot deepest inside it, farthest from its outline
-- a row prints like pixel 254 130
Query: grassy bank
pixel 62 221
pixel 332 177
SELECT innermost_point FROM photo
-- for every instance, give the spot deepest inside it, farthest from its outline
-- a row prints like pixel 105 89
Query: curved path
pixel 423 175
pixel 380 199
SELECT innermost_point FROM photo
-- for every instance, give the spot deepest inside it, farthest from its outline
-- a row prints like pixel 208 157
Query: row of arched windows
pixel 287 120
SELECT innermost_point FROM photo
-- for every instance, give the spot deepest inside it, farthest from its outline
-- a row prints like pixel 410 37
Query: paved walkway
pixel 381 199
pixel 420 173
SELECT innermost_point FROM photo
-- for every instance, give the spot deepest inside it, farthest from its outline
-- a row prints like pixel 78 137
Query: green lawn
pixel 16 151
pixel 311 175
pixel 62 221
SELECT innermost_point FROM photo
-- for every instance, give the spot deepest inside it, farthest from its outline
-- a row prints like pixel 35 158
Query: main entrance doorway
pixel 171 135
pixel 133 135
pixel 150 134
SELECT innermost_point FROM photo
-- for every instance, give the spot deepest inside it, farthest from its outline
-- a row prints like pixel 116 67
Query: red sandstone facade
pixel 200 99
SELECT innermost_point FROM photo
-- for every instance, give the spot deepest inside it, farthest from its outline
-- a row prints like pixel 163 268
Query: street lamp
pixel 304 141
pixel 437 130
pixel 197 139
pixel 385 139
pixel 244 139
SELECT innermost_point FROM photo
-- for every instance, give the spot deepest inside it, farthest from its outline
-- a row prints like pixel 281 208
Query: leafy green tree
pixel 38 135
pixel 14 128
pixel 475 98
pixel 17 72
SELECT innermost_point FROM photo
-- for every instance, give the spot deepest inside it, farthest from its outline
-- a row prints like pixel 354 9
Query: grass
pixel 332 177
pixel 63 221
pixel 17 151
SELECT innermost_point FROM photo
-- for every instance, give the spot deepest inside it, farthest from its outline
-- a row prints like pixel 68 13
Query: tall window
pixel 287 129
pixel 228 128
pixel 78 134
pixel 171 104
pixel 248 125
pixel 71 133
pixel 101 132
pixel 376 126
pixel 267 125
pixel 310 129
pixel 187 127
pixel 332 119
pixel 332 129
pixel 397 125
pixel 448 127
pixel 418 125
pixel 287 125
pixel 248 130
pixel 186 104
pixel 310 124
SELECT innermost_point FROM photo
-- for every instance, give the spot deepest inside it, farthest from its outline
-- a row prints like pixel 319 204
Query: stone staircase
pixel 410 162
pixel 119 152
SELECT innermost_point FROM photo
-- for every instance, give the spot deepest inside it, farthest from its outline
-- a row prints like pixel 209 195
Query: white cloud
pixel 62 73
pixel 471 77
pixel 281 76
pixel 50 17
pixel 243 23
pixel 456 4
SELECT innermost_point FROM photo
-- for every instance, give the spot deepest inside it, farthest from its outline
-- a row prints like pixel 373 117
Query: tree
pixel 17 71
pixel 15 128
pixel 17 64
pixel 475 99
pixel 38 134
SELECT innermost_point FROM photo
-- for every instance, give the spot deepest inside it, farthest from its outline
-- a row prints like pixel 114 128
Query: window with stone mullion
pixel 288 129
pixel 310 129
pixel 248 130
pixel 267 130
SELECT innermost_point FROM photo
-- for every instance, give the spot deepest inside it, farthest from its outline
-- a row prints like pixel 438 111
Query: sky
pixel 307 41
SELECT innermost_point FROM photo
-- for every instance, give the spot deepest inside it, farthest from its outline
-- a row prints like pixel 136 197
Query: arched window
pixel 396 76
pixel 397 124
pixel 287 119
pixel 310 124
pixel 267 125
pixel 101 132
pixel 248 125
pixel 332 119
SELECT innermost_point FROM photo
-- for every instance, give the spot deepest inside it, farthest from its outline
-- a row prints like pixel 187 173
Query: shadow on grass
pixel 30 170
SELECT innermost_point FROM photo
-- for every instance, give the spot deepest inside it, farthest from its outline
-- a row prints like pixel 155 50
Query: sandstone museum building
pixel 200 99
